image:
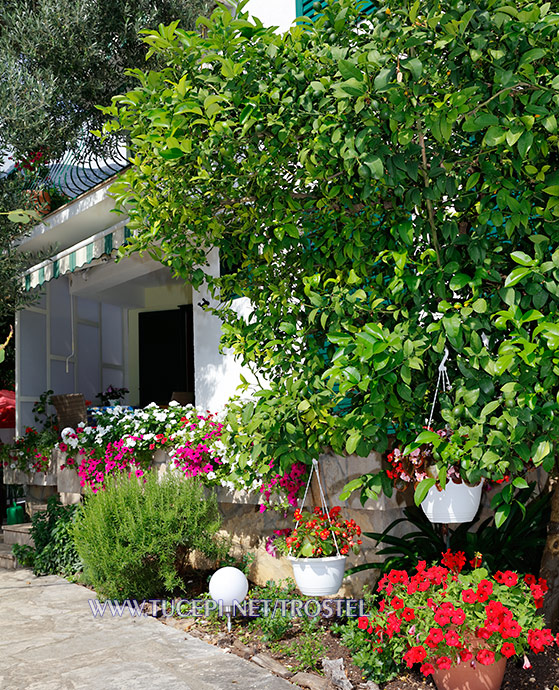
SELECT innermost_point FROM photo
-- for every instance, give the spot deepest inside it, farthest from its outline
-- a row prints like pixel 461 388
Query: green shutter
pixel 304 7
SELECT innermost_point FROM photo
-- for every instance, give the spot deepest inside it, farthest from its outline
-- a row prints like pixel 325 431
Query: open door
pixel 166 355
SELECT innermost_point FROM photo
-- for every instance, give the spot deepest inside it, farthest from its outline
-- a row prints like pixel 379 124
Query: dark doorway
pixel 166 355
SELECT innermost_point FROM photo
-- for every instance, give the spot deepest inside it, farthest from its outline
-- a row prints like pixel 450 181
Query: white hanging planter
pixel 318 577
pixel 455 503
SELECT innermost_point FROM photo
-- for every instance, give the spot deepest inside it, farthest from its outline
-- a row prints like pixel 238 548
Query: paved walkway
pixel 49 640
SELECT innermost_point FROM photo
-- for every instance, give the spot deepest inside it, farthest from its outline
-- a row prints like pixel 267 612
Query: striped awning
pixel 103 244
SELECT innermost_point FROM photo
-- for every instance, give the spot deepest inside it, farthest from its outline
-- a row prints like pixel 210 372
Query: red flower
pixel 509 578
pixel 508 649
pixel 452 638
pixel 442 618
pixel 454 561
pixel 408 614
pixel 444 662
pixel 466 655
pixel 484 590
pixel 362 622
pixel 469 596
pixel 426 669
pixel 458 617
pixel 414 655
pixel 397 603
pixel 434 637
pixel 510 628
pixel 529 579
pixel 485 657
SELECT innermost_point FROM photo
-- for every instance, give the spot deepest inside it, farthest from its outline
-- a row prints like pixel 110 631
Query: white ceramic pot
pixel 455 503
pixel 318 577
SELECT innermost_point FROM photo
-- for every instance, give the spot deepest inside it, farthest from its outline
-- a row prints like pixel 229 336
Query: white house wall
pixel 280 13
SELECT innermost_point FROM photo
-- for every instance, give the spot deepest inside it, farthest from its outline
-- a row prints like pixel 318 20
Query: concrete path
pixel 49 640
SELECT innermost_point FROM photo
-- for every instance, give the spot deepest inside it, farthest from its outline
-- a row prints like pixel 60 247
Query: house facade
pixel 98 321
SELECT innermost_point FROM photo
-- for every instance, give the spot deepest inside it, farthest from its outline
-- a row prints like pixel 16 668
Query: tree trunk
pixel 550 561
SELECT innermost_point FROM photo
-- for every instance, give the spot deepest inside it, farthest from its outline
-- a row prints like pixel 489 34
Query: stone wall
pixel 243 522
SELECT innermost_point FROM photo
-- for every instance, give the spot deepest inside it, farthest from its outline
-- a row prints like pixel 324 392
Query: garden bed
pixel 302 651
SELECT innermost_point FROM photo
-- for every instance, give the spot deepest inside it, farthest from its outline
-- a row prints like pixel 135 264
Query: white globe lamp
pixel 228 586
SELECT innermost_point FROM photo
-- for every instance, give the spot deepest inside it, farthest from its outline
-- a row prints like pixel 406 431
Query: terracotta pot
pixel 470 675
pixel 39 200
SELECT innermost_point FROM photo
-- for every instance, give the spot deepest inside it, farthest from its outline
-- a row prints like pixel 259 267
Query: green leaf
pixel 171 154
pixel 427 437
pixel 352 442
pixel 502 513
pixel 415 66
pixel 480 306
pixel 423 489
pixel 553 190
pixel 516 275
pixel 350 487
pixel 522 258
pixel 458 281
pixel 382 78
pixel 542 450
pixel 376 165
pixel 349 70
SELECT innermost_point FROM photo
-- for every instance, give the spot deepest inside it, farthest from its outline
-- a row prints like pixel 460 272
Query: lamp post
pixel 228 585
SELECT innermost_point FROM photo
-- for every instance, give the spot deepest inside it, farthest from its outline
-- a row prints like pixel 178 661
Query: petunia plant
pixel 440 616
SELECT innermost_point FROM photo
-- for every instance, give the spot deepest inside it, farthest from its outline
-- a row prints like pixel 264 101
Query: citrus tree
pixel 380 188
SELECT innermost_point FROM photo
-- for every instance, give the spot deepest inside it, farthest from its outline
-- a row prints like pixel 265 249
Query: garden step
pixel 7 559
pixel 17 534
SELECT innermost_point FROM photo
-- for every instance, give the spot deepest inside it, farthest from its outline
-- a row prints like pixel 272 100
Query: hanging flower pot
pixel 471 675
pixel 318 577
pixel 457 502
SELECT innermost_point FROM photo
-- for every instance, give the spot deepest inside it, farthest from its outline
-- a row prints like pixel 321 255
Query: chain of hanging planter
pixel 318 575
pixel 457 502
pixel 324 506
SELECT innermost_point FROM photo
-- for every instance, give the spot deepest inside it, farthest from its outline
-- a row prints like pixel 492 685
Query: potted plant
pixel 460 627
pixel 112 396
pixel 317 548
pixel 433 464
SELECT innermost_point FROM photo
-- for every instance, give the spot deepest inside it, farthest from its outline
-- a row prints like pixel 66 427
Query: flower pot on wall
pixel 39 200
pixel 318 577
pixel 469 675
pixel 455 503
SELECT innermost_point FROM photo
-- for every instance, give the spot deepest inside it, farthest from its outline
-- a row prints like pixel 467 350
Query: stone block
pixel 69 481
pixel 17 534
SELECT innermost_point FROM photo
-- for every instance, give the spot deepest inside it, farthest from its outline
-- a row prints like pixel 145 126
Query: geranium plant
pixel 317 533
pixel 441 616
pixel 32 451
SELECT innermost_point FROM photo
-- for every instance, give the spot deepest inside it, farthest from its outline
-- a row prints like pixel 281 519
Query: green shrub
pixel 54 552
pixel 135 536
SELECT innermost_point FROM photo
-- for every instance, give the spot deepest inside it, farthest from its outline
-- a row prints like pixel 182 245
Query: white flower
pixel 12 466
pixel 174 403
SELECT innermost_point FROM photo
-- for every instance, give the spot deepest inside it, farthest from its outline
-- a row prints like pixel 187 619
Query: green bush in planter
pixel 135 536
pixel 54 552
